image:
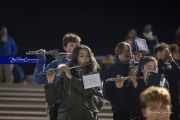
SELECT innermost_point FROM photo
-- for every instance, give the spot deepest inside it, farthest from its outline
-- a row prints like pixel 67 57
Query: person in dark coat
pixel 119 68
pixel 78 103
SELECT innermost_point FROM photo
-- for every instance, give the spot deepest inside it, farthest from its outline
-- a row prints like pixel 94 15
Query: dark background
pixel 101 25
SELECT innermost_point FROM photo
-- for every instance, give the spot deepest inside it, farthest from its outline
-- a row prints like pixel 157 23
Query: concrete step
pixel 21 88
pixel 105 115
pixel 105 118
pixel 22 99
pixel 20 107
pixel 15 89
pixel 22 113
pixel 21 94
pixel 22 118
pixel 23 102
pixel 107 102
pixel 23 106
pixel 27 102
pixel 106 109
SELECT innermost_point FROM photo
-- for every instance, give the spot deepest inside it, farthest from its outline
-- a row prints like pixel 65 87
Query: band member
pixel 130 94
pixel 119 68
pixel 147 64
pixel 77 103
pixel 70 41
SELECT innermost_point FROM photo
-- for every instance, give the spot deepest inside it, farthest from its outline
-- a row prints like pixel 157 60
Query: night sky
pixel 101 25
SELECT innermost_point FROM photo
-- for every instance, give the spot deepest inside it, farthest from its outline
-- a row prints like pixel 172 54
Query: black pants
pixel 53 112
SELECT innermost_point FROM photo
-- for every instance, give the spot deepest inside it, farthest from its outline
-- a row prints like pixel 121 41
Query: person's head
pixel 3 34
pixel 148 32
pixel 147 64
pixel 158 50
pixel 70 41
pixel 175 51
pixel 155 103
pixel 123 51
pixel 82 55
pixel 131 34
pixel 148 28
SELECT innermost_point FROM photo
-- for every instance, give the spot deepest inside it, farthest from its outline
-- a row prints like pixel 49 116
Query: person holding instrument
pixel 121 68
pixel 70 40
pixel 129 95
pixel 77 102
pixel 171 70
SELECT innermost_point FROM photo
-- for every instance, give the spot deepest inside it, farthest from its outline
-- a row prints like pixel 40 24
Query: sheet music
pixel 141 44
pixel 154 79
pixel 91 80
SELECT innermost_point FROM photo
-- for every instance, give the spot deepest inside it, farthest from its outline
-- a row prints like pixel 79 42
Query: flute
pixel 56 70
pixel 45 53
pixel 114 79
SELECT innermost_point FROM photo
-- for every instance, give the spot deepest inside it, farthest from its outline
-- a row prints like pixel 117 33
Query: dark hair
pixel 70 37
pixel 160 47
pixel 148 28
pixel 120 48
pixel 74 58
pixel 143 61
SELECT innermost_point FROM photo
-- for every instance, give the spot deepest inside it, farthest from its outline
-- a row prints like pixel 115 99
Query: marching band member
pixel 77 102
pixel 70 41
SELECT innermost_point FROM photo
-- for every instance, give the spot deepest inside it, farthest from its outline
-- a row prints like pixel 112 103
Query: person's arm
pixel 42 79
pixel 40 66
pixel 53 90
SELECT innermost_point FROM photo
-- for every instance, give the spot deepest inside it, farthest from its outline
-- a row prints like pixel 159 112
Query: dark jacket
pixel 77 103
pixel 109 88
pixel 9 48
pixel 128 96
pixel 172 75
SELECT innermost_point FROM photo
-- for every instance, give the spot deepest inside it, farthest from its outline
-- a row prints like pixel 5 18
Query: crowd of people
pixel 125 80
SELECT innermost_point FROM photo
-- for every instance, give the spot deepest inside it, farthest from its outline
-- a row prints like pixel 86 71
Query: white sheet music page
pixel 141 44
pixel 91 80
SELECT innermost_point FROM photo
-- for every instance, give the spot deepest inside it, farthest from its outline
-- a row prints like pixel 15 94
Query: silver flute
pixel 56 70
pixel 45 53
pixel 115 79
